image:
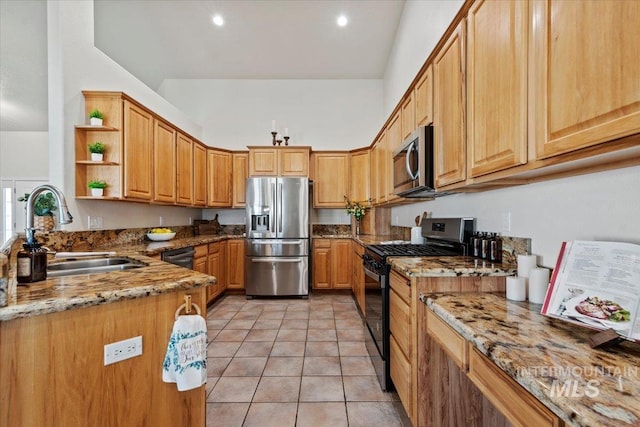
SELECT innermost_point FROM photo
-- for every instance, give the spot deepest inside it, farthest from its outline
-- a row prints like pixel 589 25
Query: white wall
pixel 24 154
pixel 325 114
pixel 422 25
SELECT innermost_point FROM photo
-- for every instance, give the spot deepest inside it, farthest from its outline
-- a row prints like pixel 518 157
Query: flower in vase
pixel 357 209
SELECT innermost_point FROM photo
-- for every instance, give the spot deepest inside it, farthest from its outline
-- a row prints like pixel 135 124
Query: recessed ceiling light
pixel 342 21
pixel 218 20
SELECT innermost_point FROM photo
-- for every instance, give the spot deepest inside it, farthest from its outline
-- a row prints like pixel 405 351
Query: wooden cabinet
pixel 332 263
pixel 216 267
pixel 138 149
pixel 219 170
pixel 496 86
pixel 321 263
pixel 408 114
pixel 358 276
pixel 200 259
pixel 379 175
pixel 359 175
pixel 423 98
pixel 184 156
pixel 330 179
pixel 400 325
pixel 449 107
pixel 585 74
pixel 279 161
pixel 199 175
pixel 164 162
pixel 393 141
pixel 235 264
pixel 240 174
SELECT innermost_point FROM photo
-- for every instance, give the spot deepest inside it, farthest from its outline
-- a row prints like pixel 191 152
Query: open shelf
pixel 97 128
pixel 89 162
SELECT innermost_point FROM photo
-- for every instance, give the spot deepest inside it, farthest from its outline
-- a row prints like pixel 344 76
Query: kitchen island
pixel 52 338
pixel 550 360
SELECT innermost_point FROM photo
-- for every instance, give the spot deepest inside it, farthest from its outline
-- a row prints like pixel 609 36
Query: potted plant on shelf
pixel 97 151
pixel 95 117
pixel 97 188
pixel 43 208
pixel 358 210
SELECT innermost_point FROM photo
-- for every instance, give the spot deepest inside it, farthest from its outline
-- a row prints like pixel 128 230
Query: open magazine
pixel 597 284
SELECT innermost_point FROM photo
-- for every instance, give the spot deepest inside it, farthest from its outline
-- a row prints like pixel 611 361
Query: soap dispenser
pixel 32 263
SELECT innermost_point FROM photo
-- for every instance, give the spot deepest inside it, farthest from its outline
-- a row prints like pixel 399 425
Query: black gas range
pixel 444 237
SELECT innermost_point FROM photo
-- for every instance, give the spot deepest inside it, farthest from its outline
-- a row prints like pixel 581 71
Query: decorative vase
pixel 44 223
pixel 96 157
pixel 94 121
pixel 97 192
pixel 357 227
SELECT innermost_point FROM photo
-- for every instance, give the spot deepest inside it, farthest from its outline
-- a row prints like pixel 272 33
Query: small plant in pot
pixel 43 209
pixel 97 188
pixel 97 151
pixel 95 117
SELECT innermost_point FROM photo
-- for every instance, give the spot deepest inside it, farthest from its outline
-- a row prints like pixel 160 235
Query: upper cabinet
pixel 379 166
pixel 360 173
pixel 330 179
pixel 423 98
pixel 184 155
pixel 393 141
pixel 219 169
pixel 449 105
pixel 408 111
pixel 585 73
pixel 164 162
pixel 199 175
pixel 279 161
pixel 496 86
pixel 240 174
pixel 138 149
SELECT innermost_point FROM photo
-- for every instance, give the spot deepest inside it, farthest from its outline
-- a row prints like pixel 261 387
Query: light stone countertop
pixel 541 353
pixel 449 266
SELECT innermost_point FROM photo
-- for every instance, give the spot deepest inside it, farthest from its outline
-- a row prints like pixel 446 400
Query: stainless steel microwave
pixel 413 165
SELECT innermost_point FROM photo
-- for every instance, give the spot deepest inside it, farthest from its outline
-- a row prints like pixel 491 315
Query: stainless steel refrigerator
pixel 277 242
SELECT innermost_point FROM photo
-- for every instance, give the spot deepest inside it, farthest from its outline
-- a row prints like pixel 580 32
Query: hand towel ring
pixel 187 307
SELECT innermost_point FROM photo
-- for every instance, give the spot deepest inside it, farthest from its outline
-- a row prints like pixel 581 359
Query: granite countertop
pixel 153 248
pixel 541 352
pixel 449 266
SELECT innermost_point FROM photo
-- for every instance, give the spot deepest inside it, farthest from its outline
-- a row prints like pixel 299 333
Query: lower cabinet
pixel 235 264
pixel 400 325
pixel 216 265
pixel 357 275
pixel 332 263
pixel 200 259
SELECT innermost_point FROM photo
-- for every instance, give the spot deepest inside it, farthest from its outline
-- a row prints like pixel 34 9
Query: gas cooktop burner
pixel 411 250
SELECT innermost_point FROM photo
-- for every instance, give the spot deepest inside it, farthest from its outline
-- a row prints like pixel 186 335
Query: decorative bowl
pixel 160 237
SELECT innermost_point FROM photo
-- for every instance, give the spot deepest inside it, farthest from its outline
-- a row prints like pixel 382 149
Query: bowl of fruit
pixel 161 234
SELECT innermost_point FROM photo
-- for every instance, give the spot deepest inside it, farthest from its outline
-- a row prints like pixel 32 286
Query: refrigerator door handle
pixel 280 208
pixel 274 212
pixel 276 260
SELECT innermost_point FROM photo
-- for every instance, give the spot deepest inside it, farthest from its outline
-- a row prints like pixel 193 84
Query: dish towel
pixel 186 361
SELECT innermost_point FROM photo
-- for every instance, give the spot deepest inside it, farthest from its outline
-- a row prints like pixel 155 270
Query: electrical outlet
pixel 506 222
pixel 161 220
pixel 397 221
pixel 95 222
pixel 122 350
pixel 190 221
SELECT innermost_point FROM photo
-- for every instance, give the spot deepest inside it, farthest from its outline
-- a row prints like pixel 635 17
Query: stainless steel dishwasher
pixel 182 257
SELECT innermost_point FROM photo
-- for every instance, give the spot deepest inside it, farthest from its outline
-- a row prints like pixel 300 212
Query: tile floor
pixel 292 362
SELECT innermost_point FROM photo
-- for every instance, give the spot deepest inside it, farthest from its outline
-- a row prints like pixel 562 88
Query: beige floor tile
pixel 321 366
pixel 321 389
pixel 274 389
pixel 322 324
pixel 245 367
pixel 271 415
pixel 322 414
pixel 321 348
pixel 271 315
pixel 254 349
pixel 253 306
pixel 262 335
pixel 321 335
pixel 287 348
pixel 349 324
pixel 222 314
pixel 267 324
pixel 222 349
pixel 226 414
pixel 291 335
pixel 295 324
pixel 217 323
pixel 231 335
pixel 347 315
pixel 211 334
pixel 217 365
pixel 247 315
pixel 320 315
pixel 301 306
pixel 296 315
pixel 321 307
pixel 283 367
pixel 348 306
pixel 211 382
pixel 356 366
pixel 352 348
pixel 239 324
pixel 351 334
pixel 364 389
pixel 275 307
pixel 372 414
pixel 234 389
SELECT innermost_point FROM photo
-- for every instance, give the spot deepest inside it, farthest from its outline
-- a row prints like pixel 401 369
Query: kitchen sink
pixel 94 265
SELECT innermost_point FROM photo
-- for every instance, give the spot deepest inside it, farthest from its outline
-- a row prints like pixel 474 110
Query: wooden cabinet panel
pixel 214 267
pixel 423 98
pixel 331 179
pixel 293 161
pixel 199 175
pixel 138 149
pixel 400 321
pixel 358 275
pixel 240 174
pixel 279 161
pixel 382 168
pixel 359 176
pixel 585 73
pixel 496 86
pixel 235 264
pixel 401 285
pixel 184 155
pixel 263 162
pixel 400 374
pixel 219 178
pixel 200 262
pixel 408 116
pixel 393 141
pixel 511 399
pixel 341 263
pixel 449 107
pixel 321 266
pixel 164 162
pixel 452 343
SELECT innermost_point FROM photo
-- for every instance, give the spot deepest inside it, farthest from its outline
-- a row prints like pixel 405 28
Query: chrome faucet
pixel 65 215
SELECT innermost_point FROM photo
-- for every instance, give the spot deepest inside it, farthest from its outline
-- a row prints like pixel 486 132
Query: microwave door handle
pixel 408 163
